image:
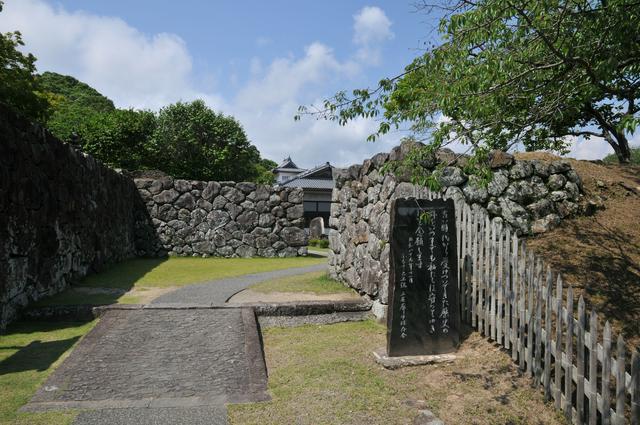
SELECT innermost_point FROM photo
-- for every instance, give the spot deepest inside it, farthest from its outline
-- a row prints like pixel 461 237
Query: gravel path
pixel 217 292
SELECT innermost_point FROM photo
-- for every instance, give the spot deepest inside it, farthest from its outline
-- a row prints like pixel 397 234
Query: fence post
pixel 606 374
pixel 558 353
pixel 635 388
pixel 548 320
pixel 593 369
pixel 621 393
pixel 580 361
pixel 568 367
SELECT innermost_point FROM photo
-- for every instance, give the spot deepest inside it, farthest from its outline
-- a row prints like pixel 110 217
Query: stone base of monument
pixel 382 358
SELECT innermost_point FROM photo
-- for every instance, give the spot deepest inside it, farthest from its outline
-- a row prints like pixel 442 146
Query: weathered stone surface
pixel 211 189
pixel 452 176
pixel 316 228
pixel 515 215
pixel 520 191
pixel 63 215
pixel 294 212
pixel 498 159
pixel 556 181
pixel 545 224
pixel 557 167
pixel 521 170
pixel 572 190
pixel 295 196
pixel 360 224
pixel 566 208
pixel 475 192
pixel 498 183
pixel 185 201
pixel 540 208
pixel 247 220
pixel 294 236
pixel 166 196
pixel 182 186
pixel 246 187
pixel 541 168
pixel 232 194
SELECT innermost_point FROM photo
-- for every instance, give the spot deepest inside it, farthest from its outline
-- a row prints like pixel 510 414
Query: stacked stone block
pixel 62 215
pixel 224 219
pixel 530 196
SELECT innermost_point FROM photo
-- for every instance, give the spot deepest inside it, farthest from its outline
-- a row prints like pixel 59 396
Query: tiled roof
pixel 288 164
pixel 309 183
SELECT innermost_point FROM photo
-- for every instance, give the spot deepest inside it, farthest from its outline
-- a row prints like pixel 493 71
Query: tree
pixel 515 71
pixel 192 141
pixel 119 138
pixel 73 104
pixel 20 89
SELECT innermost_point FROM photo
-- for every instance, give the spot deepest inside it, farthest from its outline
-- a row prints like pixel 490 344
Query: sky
pixel 255 60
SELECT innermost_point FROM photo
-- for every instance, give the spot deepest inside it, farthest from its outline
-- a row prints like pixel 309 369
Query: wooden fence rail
pixel 508 295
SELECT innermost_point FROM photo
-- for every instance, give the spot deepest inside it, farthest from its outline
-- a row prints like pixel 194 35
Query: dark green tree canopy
pixel 515 71
pixel 19 87
pixel 192 141
pixel 74 104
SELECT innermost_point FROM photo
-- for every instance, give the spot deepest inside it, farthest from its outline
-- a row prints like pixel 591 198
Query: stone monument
pixel 423 317
pixel 316 228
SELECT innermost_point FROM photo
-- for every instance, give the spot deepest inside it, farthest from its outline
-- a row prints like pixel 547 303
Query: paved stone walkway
pixel 167 363
pixel 148 359
pixel 217 292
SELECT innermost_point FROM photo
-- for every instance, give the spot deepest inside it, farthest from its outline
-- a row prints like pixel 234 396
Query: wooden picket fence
pixel 508 295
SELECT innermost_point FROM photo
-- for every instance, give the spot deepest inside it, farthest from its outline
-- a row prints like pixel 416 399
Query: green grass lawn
pixel 29 352
pixel 327 375
pixel 315 282
pixel 317 248
pixel 144 273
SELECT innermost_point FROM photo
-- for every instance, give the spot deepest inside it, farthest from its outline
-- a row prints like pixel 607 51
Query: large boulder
pixel 316 228
pixel 294 236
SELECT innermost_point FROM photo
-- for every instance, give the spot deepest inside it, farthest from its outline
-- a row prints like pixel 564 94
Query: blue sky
pixel 255 60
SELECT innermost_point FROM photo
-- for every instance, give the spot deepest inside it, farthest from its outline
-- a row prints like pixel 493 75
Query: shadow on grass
pixel 38 344
pixel 104 287
pixel 37 355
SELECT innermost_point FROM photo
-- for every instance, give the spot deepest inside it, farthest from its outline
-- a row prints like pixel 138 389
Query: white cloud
pixel 152 70
pixel 371 28
pixel 130 67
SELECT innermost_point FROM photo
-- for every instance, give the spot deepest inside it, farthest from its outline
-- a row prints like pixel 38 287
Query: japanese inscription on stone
pixel 423 297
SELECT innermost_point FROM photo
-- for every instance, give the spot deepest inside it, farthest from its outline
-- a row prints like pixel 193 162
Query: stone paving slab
pixel 157 358
pixel 162 416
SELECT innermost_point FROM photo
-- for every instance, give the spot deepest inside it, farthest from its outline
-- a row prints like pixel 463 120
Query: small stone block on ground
pixel 383 359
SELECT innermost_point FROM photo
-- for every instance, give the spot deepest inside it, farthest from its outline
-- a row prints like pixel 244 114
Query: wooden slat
pixel 568 352
pixel 493 288
pixel 508 291
pixel 582 321
pixel 558 344
pixel 593 369
pixel 530 315
pixel 487 276
pixel 548 320
pixel 620 382
pixel 500 288
pixel 481 279
pixel 522 264
pixel 474 270
pixel 606 374
pixel 635 388
pixel 537 362
pixel 515 347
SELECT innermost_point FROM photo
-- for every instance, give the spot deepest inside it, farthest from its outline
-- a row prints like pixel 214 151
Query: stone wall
pixel 529 196
pixel 62 215
pixel 224 219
